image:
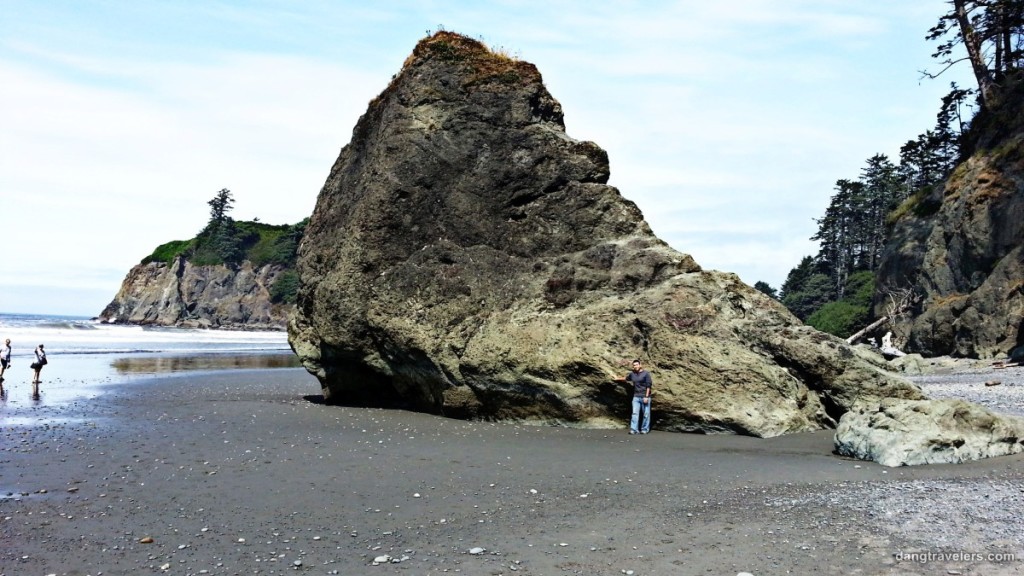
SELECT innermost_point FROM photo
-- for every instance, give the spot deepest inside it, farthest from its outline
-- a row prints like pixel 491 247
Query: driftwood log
pixel 853 339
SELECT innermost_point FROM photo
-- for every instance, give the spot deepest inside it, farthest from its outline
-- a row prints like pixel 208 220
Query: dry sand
pixel 243 472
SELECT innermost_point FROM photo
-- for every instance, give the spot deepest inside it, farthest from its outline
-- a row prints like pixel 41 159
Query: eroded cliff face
pixel 466 257
pixel 961 249
pixel 181 294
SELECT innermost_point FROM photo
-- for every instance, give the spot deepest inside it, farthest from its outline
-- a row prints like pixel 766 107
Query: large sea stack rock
pixel 185 295
pixel 466 257
pixel 960 247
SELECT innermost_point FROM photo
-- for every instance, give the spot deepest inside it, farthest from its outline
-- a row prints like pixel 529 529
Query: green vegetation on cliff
pixel 851 313
pixel 227 242
pixel 256 242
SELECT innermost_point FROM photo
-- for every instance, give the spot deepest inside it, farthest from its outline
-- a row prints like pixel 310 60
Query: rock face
pixel 181 294
pixel 961 249
pixel 896 432
pixel 466 257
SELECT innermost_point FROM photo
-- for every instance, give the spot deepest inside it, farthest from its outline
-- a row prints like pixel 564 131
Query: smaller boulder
pixel 917 365
pixel 897 432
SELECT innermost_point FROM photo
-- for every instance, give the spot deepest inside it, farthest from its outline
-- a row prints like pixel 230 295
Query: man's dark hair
pixel 637 361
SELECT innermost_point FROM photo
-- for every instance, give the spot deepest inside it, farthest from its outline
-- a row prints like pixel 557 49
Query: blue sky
pixel 728 123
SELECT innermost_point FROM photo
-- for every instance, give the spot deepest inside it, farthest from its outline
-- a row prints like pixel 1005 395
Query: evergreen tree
pixel 1006 33
pixel 807 287
pixel 813 294
pixel 227 243
pixel 923 162
pixel 882 191
pixel 837 234
pixel 766 288
pixel 221 240
pixel 950 123
pixel 852 233
pixel 798 276
pixel 220 205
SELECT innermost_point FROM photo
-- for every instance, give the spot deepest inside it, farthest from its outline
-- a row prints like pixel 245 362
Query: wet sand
pixel 243 472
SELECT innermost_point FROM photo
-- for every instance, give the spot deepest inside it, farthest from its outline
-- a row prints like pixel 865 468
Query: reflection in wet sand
pixel 157 364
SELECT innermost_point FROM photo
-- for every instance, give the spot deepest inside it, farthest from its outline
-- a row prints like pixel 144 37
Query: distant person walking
pixel 36 367
pixel 5 361
pixel 642 384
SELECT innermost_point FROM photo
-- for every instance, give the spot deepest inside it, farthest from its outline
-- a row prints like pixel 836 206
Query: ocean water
pixel 85 358
pixel 67 335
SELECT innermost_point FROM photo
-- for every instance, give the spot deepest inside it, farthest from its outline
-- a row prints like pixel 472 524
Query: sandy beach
pixel 244 471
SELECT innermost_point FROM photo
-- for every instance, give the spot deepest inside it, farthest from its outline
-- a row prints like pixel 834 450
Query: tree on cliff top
pixel 992 33
pixel 221 239
pixel 225 241
pixel 220 205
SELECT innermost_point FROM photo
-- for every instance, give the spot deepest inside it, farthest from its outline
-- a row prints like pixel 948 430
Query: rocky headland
pixel 467 257
pixel 233 275
pixel 186 295
pixel 959 247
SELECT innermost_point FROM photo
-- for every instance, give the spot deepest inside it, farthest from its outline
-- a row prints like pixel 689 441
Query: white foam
pixel 76 336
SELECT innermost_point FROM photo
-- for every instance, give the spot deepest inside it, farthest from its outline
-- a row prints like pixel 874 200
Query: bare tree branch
pixel 899 302
pixel 949 64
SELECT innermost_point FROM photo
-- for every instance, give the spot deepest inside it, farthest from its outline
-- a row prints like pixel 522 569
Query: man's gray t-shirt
pixel 641 382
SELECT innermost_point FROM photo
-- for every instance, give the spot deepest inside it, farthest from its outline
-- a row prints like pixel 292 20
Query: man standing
pixel 5 361
pixel 36 367
pixel 641 381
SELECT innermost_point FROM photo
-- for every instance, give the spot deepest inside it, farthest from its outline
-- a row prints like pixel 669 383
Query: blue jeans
pixel 639 404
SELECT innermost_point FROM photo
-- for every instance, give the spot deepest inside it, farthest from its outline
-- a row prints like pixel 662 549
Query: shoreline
pixel 73 378
pixel 243 472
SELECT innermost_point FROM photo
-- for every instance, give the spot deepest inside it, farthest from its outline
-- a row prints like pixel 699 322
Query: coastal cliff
pixel 960 247
pixel 467 257
pixel 199 296
pixel 236 275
